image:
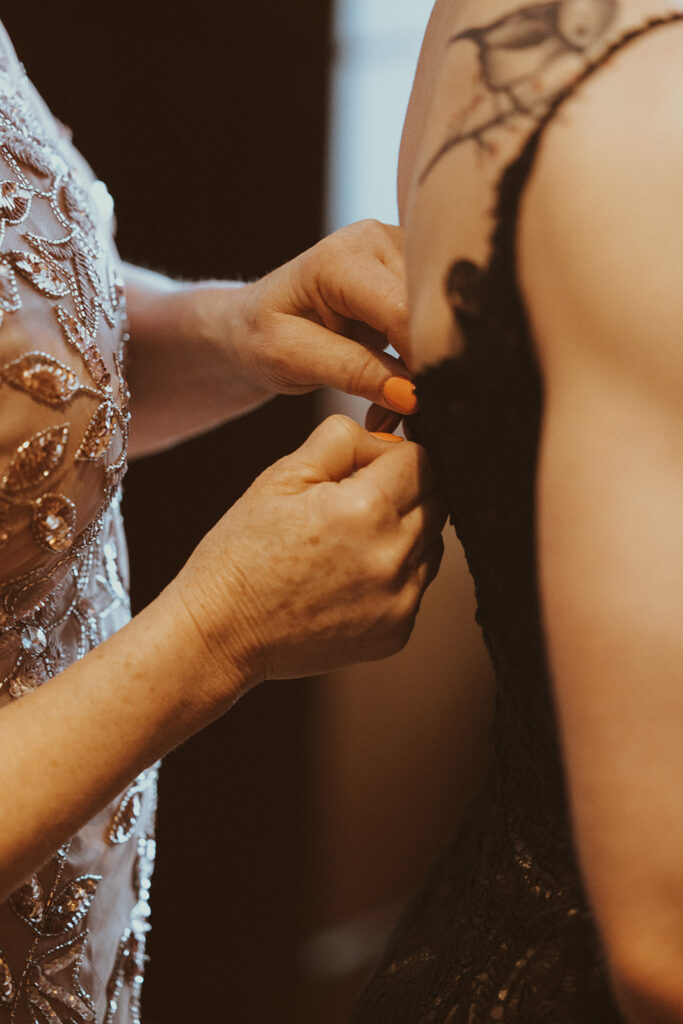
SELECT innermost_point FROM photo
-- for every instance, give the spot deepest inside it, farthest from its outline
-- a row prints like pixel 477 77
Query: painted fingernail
pixel 381 436
pixel 400 394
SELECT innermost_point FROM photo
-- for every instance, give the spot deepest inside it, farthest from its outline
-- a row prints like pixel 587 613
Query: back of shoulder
pixel 622 125
pixel 490 73
pixel 600 250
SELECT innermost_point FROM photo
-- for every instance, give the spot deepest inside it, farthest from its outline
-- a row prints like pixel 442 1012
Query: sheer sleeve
pixel 63 397
pixel 72 937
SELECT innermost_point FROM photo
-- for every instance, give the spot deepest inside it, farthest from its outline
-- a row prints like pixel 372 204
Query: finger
pixel 422 576
pixel 336 449
pixel 403 475
pixel 385 241
pixel 423 527
pixel 363 288
pixel 391 252
pixel 430 565
pixel 427 520
pixel 364 335
pixel 335 361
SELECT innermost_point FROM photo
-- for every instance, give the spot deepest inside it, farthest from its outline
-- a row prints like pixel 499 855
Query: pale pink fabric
pixel 72 937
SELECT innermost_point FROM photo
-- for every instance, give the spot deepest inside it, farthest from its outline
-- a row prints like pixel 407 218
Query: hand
pixel 326 317
pixel 323 562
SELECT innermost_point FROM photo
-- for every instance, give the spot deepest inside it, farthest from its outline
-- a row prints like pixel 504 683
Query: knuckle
pixel 362 506
pixel 380 510
pixel 401 312
pixel 340 423
pixel 387 569
pixel 273 474
pixel 328 248
pixel 372 225
pixel 339 429
pixel 363 231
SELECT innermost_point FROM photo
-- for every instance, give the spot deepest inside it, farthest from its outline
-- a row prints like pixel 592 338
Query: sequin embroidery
pixel 64 412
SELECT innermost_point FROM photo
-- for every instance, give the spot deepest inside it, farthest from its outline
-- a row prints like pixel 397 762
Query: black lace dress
pixel 502 931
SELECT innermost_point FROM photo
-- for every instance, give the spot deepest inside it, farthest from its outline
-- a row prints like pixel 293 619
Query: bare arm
pixel 602 263
pixel 181 379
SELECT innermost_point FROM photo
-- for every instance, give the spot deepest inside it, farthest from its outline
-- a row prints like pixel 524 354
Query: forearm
pixel 182 378
pixel 322 561
pixel 202 354
pixel 70 747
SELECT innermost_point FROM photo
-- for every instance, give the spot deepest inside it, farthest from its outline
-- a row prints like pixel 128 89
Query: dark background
pixel 207 121
pixel 309 812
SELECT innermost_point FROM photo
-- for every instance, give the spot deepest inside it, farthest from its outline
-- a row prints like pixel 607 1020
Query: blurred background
pixel 232 136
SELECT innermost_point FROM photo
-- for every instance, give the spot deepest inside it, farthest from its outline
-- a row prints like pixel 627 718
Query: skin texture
pixel 600 264
pixel 323 561
pixel 364 513
pixel 221 349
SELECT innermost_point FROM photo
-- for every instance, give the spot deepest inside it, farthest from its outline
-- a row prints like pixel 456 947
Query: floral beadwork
pixel 43 377
pixel 130 807
pixel 129 965
pixel 64 1001
pixel 54 520
pixel 64 414
pixel 69 264
pixel 67 908
pixel 36 459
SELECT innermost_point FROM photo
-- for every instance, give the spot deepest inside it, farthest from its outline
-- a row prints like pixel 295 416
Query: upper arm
pixel 601 263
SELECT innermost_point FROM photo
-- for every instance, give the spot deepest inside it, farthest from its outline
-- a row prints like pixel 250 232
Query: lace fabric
pixel 502 930
pixel 72 936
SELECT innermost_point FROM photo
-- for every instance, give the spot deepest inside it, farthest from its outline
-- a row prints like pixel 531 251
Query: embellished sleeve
pixel 63 397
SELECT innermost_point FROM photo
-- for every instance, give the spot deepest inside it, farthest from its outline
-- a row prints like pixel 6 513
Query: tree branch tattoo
pixel 513 52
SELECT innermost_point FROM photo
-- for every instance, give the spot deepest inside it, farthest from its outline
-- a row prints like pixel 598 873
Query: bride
pixel 540 188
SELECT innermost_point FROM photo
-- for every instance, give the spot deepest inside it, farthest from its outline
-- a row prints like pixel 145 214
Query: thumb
pixel 335 450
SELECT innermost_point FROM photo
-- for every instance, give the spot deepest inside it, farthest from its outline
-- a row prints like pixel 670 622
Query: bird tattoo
pixel 515 49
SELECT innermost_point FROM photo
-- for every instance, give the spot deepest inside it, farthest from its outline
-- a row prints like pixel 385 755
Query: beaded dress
pixel 502 932
pixel 72 936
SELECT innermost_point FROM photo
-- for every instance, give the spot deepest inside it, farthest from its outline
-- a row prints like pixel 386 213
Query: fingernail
pixel 381 436
pixel 400 394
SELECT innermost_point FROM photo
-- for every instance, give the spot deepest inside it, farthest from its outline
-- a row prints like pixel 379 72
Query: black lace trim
pixel 502 930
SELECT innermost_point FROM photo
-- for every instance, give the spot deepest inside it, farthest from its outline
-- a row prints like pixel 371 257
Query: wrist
pixel 220 319
pixel 218 662
pixel 211 319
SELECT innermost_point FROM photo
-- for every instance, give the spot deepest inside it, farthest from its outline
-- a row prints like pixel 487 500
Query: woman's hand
pixel 326 317
pixel 202 354
pixel 322 562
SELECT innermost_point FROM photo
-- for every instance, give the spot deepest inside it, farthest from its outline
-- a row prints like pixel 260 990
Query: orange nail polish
pixel 380 435
pixel 400 395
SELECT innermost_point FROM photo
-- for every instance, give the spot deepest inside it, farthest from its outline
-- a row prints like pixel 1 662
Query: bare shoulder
pixel 489 74
pixel 601 225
